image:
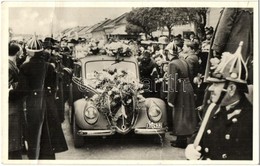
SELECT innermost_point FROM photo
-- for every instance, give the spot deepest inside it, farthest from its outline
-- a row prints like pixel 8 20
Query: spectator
pixel 15 111
pixel 181 99
pixel 147 75
pixel 189 55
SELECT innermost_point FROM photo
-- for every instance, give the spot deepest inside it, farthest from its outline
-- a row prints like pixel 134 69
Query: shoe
pixel 179 145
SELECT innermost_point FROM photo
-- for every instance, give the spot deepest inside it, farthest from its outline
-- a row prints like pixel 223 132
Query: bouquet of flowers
pixel 116 88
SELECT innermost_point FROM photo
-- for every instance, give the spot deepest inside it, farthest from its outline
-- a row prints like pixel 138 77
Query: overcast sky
pixel 40 19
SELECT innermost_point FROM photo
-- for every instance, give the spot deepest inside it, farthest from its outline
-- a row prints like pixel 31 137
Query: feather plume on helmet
pixel 230 67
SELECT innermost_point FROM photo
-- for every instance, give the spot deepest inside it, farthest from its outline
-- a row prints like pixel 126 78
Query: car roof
pixel 105 57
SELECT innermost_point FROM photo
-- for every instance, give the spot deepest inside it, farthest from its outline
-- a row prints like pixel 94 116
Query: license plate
pixel 154 125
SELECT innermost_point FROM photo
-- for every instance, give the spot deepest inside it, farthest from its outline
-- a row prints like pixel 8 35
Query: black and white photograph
pixel 129 83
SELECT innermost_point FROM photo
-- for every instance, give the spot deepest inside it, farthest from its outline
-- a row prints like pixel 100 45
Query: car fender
pixel 79 107
pixel 143 118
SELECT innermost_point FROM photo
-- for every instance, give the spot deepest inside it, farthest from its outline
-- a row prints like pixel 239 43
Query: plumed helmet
pixel 34 45
pixel 231 67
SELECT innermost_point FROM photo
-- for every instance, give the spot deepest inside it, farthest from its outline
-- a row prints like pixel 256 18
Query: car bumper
pixel 95 132
pixel 146 131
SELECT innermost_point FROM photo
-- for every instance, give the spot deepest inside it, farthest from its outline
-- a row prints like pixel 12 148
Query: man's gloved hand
pixel 192 153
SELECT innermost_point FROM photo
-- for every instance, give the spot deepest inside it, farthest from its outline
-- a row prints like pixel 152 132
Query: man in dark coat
pixel 227 133
pixel 36 83
pixel 181 99
pixel 15 111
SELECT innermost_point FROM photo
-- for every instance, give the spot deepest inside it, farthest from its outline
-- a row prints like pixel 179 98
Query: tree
pixel 199 17
pixel 169 17
pixel 144 19
pixel 133 29
pixel 148 20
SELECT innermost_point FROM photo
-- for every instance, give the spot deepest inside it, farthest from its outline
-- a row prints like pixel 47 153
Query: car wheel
pixel 78 140
pixel 159 139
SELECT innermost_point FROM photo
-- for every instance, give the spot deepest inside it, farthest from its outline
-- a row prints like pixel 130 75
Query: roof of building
pixel 107 23
pixel 101 25
pixel 66 30
pixel 110 23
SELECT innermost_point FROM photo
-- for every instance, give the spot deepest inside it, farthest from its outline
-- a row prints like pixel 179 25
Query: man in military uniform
pixel 227 131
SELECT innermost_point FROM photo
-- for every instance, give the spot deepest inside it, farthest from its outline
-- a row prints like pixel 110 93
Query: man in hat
pixel 64 42
pixel 81 50
pixel 71 44
pixel 227 131
pixel 48 46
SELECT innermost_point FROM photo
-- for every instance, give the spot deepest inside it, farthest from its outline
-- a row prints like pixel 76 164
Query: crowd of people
pixel 187 72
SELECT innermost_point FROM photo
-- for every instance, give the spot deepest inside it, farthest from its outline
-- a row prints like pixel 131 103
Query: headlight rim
pixel 152 118
pixel 89 120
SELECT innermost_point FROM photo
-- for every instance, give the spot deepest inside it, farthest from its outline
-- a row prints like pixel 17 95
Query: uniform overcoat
pixel 181 96
pixel 235 25
pixel 229 139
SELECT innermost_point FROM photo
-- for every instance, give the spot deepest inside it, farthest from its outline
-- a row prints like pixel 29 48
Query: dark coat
pixel 231 139
pixel 181 96
pixel 15 113
pixel 193 63
pixel 37 78
pixel 235 25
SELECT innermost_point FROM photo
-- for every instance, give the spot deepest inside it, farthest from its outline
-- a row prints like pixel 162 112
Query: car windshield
pixel 91 67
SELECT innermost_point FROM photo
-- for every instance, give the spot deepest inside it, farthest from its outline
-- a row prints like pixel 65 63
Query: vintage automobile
pixel 98 109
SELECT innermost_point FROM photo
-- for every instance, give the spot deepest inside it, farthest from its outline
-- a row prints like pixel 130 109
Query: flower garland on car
pixel 116 88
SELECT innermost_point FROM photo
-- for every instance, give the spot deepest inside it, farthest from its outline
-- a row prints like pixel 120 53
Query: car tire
pixel 78 140
pixel 159 139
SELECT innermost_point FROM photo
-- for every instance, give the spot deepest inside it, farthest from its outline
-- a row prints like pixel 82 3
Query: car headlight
pixel 154 113
pixel 91 115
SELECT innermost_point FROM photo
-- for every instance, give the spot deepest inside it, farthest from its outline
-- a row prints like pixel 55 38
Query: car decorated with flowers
pixel 106 98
